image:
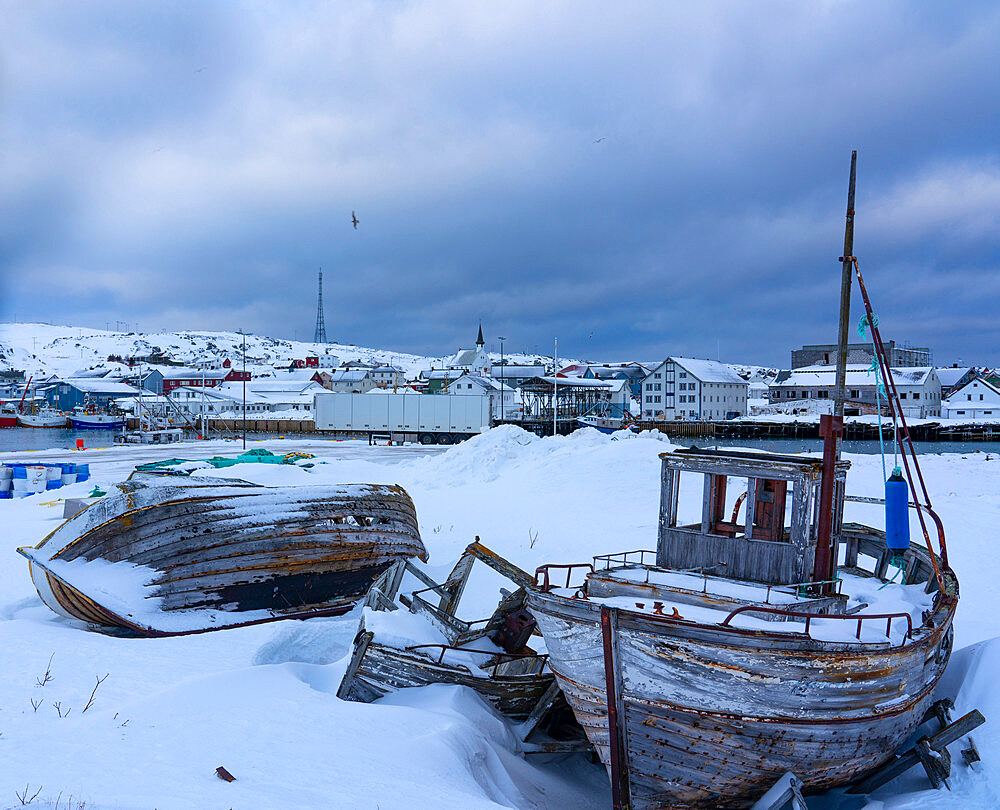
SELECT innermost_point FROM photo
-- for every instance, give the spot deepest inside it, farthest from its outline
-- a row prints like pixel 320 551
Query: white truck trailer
pixel 424 418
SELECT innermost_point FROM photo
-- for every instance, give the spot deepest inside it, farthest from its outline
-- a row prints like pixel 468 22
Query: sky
pixel 636 179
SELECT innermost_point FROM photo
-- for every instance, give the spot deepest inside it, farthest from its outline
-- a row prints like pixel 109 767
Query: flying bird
pixel 354 220
pixel 199 70
pixel 600 139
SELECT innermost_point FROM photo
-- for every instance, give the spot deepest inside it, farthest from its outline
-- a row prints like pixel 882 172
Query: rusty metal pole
pixel 845 299
pixel 830 429
pixel 620 789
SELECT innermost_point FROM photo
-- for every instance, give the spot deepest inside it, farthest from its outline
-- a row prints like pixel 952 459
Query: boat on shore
pixel 705 669
pixel 43 418
pixel 165 556
pixel 605 424
pixel 742 649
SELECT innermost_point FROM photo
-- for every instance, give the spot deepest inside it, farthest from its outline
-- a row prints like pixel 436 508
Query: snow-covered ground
pixel 261 702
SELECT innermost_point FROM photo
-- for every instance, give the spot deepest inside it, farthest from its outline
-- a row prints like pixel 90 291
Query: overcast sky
pixel 636 179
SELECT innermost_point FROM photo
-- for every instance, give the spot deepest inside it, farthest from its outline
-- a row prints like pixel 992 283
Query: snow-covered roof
pixel 710 371
pixel 858 376
pixel 348 375
pixel 955 398
pixel 98 385
pixel 950 376
pixel 387 369
pixel 179 373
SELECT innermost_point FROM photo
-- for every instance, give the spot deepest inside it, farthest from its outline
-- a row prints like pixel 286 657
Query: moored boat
pixel 43 418
pixel 89 419
pixel 604 424
pixel 8 416
pixel 161 556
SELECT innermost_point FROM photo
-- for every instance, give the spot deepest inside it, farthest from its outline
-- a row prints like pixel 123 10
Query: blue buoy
pixel 897 517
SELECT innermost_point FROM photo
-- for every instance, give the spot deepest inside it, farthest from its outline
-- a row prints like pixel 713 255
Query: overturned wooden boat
pixel 490 656
pixel 160 557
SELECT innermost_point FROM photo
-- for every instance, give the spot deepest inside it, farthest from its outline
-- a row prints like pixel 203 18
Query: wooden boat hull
pixel 382 669
pixel 157 558
pixel 713 716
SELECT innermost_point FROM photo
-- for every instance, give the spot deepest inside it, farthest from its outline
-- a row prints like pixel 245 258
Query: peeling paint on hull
pixel 224 553
pixel 714 715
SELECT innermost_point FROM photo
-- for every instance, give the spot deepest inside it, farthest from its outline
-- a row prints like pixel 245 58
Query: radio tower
pixel 320 336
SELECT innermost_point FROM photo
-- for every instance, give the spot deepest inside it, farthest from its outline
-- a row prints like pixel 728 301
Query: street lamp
pixel 501 339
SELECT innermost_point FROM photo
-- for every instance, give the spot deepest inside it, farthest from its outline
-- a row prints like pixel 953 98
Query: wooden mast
pixel 831 428
pixel 845 298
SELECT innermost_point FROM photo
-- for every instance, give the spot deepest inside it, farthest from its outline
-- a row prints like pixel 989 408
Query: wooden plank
pixel 360 648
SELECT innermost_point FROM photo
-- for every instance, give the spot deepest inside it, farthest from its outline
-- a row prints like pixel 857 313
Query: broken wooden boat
pixel 161 557
pixel 744 648
pixel 490 656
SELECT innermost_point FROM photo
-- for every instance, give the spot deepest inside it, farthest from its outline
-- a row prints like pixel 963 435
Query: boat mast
pixel 846 275
pixel 831 427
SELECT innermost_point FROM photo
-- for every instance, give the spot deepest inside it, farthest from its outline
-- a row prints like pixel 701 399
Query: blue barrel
pixel 20 471
pixel 897 516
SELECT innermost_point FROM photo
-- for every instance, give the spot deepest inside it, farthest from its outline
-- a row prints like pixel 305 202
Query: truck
pixel 424 418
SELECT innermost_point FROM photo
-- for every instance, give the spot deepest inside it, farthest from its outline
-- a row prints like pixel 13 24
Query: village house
pixel 690 389
pixel 388 376
pixel 506 407
pixel 287 397
pixel 976 399
pixel 67 394
pixel 919 388
pixel 353 381
pixel 954 377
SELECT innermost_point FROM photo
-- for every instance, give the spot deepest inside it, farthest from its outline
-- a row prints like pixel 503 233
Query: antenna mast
pixel 320 335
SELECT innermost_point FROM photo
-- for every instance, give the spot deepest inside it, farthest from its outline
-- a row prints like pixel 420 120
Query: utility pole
pixel 555 389
pixel 244 375
pixel 501 339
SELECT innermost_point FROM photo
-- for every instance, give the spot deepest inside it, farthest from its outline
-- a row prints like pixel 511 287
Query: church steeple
pixel 479 340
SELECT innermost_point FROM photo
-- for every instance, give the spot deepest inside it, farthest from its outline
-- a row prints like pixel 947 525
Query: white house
pixel 975 399
pixel 263 398
pixel 353 381
pixel 919 387
pixel 475 384
pixel 686 388
pixel 388 376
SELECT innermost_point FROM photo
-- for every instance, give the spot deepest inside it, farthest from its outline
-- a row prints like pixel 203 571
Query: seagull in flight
pixel 354 220
pixel 600 139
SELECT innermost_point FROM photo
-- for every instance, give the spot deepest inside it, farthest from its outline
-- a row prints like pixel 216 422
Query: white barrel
pixel 53 473
pixel 69 478
pixel 6 473
pixel 34 475
pixel 5 484
pixel 20 484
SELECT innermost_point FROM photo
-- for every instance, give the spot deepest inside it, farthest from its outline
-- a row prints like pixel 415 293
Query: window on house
pixel 682 375
pixel 980 397
pixel 823 394
pixel 916 395
pixel 960 413
pixel 855 392
pixel 903 395
pixel 656 399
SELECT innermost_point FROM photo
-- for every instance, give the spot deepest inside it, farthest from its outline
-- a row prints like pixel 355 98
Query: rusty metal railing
pixel 545 584
pixel 624 558
pixel 498 658
pixel 798 614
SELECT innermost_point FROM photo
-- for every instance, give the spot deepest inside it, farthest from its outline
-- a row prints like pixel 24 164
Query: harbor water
pixel 27 439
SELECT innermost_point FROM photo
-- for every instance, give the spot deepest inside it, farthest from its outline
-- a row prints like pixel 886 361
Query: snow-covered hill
pixel 43 349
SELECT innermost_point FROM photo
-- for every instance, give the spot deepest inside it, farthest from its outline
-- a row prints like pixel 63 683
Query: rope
pixel 879 389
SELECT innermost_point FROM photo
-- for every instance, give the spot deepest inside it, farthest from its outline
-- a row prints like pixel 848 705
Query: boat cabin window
pixel 726 508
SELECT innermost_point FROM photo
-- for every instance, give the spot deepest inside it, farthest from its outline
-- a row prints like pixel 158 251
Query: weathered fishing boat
pixel 729 662
pixel 490 656
pixel 160 556
pixel 742 649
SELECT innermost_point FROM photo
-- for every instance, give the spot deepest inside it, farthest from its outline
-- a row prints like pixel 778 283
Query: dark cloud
pixel 670 179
